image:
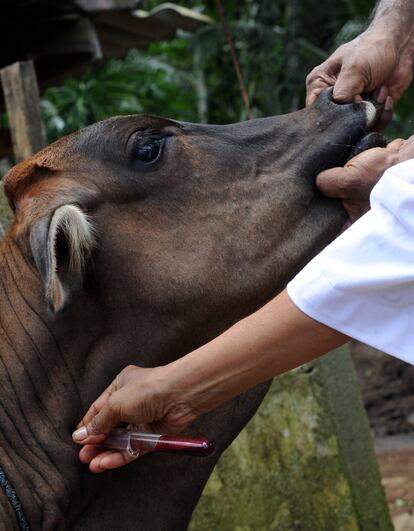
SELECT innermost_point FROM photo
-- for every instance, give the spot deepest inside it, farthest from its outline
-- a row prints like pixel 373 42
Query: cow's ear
pixel 60 246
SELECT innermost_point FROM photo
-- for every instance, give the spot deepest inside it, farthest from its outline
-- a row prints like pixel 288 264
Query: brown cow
pixel 135 241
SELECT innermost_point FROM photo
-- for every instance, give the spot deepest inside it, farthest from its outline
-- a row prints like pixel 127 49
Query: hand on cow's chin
pixel 354 182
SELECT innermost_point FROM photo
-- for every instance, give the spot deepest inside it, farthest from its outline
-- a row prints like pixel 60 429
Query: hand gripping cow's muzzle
pixel 371 110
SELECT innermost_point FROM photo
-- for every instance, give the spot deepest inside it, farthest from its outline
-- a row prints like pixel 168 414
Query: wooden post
pixel 21 95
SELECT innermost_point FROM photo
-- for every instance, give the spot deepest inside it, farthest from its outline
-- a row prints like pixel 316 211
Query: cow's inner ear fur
pixel 60 249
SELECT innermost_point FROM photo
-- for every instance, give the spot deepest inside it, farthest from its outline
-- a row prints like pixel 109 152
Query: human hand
pixel 371 62
pixel 353 183
pixel 137 396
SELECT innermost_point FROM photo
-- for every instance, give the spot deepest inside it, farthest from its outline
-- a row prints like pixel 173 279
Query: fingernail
pixel 389 104
pixel 80 434
pixel 382 94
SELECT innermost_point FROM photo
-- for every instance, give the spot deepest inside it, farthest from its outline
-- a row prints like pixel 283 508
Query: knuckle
pixel 114 386
pixel 124 375
pixel 314 76
pixel 93 428
pixel 94 409
pixel 352 62
pixel 310 78
pixel 113 405
pixel 356 68
pixel 124 371
pixel 351 184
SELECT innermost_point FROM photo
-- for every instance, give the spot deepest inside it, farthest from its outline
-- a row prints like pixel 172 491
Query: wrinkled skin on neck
pixel 185 247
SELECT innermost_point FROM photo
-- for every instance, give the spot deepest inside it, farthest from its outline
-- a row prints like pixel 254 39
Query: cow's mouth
pixel 350 131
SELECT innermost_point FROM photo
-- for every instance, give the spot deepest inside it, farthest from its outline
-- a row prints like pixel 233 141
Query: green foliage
pixel 278 43
pixel 192 77
pixel 150 82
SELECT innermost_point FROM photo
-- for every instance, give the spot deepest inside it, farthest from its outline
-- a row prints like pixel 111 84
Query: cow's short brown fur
pixel 183 250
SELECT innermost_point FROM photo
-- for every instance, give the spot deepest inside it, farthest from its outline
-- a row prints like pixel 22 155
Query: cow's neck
pixel 39 396
pixel 50 372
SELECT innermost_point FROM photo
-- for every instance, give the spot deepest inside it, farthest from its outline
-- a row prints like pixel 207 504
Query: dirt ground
pixel 388 392
pixel 397 468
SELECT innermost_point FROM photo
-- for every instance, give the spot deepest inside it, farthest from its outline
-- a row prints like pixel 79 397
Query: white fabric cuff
pixel 363 283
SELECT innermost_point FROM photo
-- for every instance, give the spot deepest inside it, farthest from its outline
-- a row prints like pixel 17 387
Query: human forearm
pixel 380 60
pixel 167 399
pixel 392 27
pixel 276 339
pixel 394 17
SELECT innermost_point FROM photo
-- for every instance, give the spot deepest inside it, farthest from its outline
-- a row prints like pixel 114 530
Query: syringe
pixel 135 442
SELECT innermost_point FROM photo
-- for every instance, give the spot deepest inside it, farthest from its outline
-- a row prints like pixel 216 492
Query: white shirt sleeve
pixel 362 284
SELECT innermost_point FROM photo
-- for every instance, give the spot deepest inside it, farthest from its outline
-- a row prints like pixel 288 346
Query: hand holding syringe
pixel 135 442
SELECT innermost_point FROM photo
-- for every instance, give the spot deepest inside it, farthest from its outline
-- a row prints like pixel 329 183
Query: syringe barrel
pixel 184 445
pixel 122 439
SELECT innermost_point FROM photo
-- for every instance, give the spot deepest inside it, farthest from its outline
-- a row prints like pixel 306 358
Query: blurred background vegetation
pixel 191 78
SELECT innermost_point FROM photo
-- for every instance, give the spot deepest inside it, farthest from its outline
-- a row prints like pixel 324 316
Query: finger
pixel 316 83
pixel 322 77
pixel 331 182
pixel 110 460
pixel 314 86
pixel 341 183
pixel 396 144
pixel 385 107
pixel 102 423
pixel 350 83
pixel 403 82
pixel 94 409
pixel 98 404
pixel 386 115
pixel 381 94
pixel 313 95
pixel 89 452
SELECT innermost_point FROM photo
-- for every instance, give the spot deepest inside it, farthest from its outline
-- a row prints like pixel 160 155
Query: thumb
pixel 101 424
pixel 332 182
pixel 349 85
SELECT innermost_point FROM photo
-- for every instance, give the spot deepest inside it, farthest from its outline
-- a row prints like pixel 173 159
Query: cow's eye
pixel 148 150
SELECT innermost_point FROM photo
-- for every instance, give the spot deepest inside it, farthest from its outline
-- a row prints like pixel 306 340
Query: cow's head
pixel 195 209
pixel 156 235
